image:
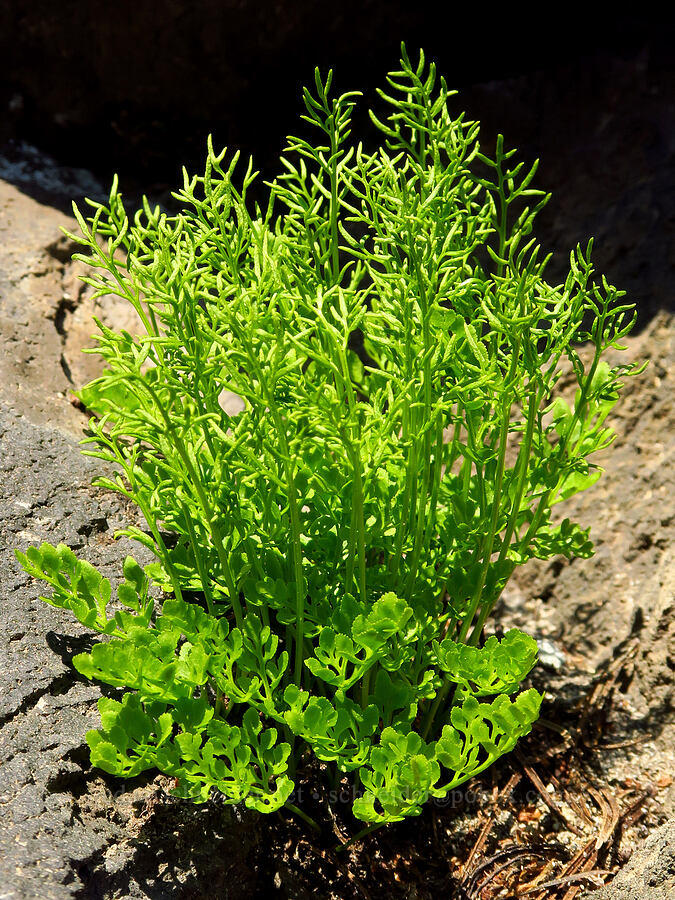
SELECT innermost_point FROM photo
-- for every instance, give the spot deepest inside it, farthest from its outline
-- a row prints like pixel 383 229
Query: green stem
pixel 436 483
pixel 394 562
pixel 544 500
pixel 435 706
pixel 360 834
pixel 357 528
pixel 203 575
pixel 421 523
pixel 501 224
pixel 162 549
pixel 496 503
pixel 206 507
pixel 335 251
pixel 297 546
pixel 291 807
pixel 452 447
pixel 360 525
pixel 523 460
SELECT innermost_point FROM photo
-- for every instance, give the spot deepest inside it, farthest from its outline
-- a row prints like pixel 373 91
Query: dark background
pixel 135 87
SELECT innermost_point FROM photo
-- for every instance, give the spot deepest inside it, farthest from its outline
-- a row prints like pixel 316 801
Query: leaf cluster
pixel 330 554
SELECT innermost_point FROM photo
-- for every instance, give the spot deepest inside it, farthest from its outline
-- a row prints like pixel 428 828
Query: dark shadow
pixel 590 99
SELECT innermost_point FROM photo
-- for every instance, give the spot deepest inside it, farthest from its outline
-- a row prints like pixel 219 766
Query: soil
pixel 557 819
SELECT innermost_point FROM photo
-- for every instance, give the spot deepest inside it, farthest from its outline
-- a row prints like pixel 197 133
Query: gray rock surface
pixel 650 873
pixel 66 831
pixel 627 589
pixel 45 313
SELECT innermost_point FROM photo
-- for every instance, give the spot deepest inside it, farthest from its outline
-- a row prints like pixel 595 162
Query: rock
pixel 46 313
pixel 628 586
pixel 65 827
pixel 603 129
pixel 650 873
pixel 128 85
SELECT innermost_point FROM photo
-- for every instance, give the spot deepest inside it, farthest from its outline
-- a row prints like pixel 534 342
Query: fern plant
pixel 328 556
